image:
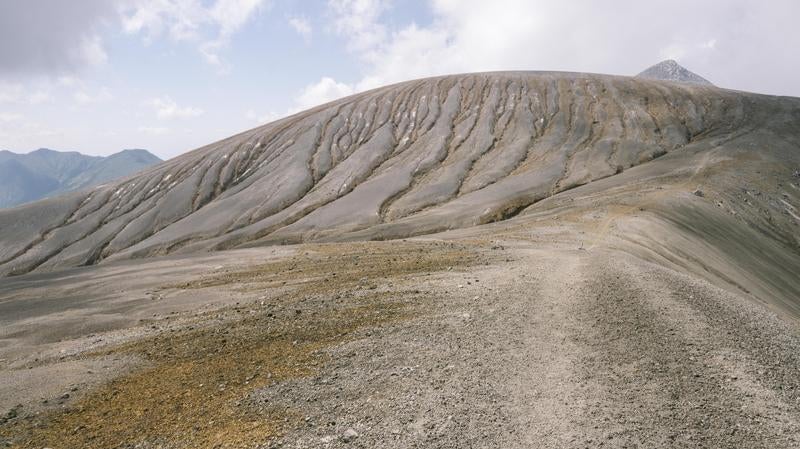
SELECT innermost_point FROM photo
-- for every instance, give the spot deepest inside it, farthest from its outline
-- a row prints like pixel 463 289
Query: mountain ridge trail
pixel 496 341
pixel 618 356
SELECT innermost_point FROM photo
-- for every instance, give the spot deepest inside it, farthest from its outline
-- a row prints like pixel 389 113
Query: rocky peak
pixel 670 70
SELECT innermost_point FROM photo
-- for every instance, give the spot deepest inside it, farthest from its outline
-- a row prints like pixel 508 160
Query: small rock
pixel 349 435
pixel 699 193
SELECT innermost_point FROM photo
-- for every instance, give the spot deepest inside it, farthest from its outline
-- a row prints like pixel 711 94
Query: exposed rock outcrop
pixel 670 70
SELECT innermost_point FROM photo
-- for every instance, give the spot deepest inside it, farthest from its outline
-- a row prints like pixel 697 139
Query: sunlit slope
pixel 409 159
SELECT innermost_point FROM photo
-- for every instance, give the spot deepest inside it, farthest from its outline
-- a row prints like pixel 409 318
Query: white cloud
pixel 262 118
pixel 210 52
pixel 180 19
pixel 11 92
pixel 230 15
pixel 68 81
pixel 39 97
pixel 18 133
pixel 711 44
pixel 303 27
pixel 323 91
pixel 101 96
pixel 673 51
pixel 358 20
pixel 46 37
pixel 166 108
pixel 153 130
pixel 723 40
pixel 209 26
pixel 10 117
pixel 465 35
pixel 92 51
pixel 17 93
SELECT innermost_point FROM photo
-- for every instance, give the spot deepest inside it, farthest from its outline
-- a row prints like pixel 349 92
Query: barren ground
pixel 607 262
pixel 523 340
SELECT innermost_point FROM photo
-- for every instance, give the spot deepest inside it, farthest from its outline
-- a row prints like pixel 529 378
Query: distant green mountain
pixel 44 172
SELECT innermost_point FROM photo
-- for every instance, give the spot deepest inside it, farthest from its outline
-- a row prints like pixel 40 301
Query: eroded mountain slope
pixel 413 158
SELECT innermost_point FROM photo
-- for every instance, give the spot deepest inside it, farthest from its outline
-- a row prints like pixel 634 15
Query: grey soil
pixel 528 345
pixel 607 262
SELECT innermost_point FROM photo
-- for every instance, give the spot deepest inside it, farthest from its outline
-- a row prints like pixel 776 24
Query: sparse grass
pixel 324 267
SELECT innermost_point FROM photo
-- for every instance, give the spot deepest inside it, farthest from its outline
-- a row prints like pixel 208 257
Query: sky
pixel 99 76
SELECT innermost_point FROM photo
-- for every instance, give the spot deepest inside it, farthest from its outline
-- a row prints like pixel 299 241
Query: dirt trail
pixel 627 354
pixel 550 388
pixel 564 348
pixel 616 212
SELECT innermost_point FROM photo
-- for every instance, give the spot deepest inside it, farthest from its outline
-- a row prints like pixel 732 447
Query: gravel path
pixel 510 344
pixel 554 349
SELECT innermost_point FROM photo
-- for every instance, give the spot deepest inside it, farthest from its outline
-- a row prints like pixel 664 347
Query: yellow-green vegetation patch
pixel 190 393
pixel 193 390
pixel 325 267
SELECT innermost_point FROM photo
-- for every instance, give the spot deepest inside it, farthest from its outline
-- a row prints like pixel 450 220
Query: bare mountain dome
pixel 414 158
pixel 670 70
